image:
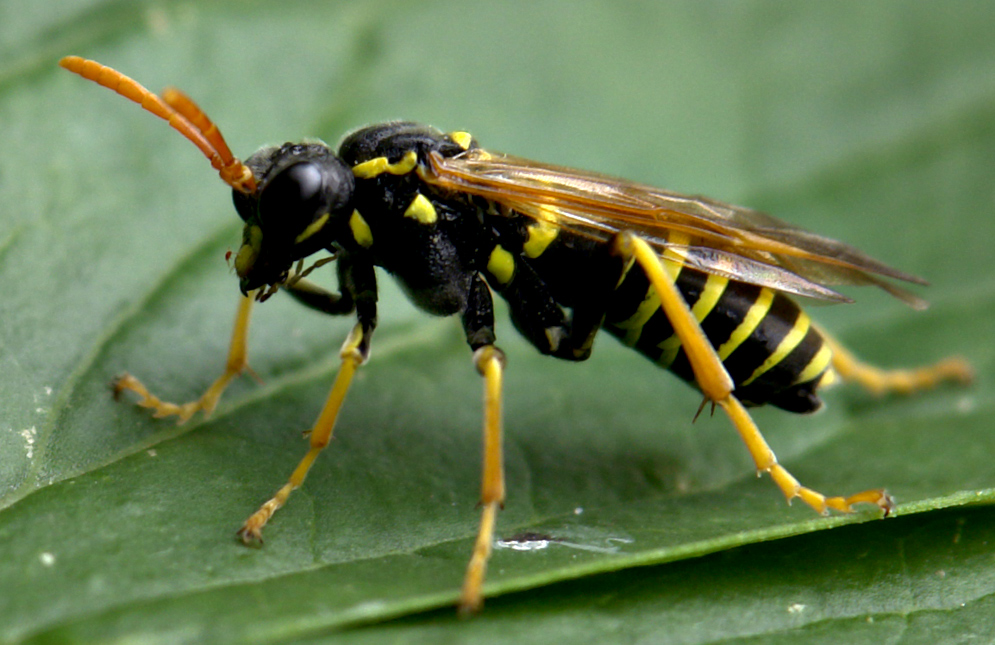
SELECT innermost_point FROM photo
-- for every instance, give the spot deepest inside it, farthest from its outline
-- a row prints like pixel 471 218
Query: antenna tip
pixel 69 62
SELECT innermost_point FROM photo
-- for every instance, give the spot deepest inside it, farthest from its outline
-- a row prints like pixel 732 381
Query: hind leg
pixel 717 386
pixel 880 381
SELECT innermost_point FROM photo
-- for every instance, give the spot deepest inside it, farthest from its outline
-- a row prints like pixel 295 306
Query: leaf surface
pixel 851 120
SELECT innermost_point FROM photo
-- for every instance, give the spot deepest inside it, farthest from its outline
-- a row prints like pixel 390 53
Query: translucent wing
pixel 731 241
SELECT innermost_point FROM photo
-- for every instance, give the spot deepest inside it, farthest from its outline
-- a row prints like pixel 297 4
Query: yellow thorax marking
pixel 541 235
pixel 479 154
pixel 422 210
pixel 380 165
pixel 360 230
pixel 501 265
pixel 462 139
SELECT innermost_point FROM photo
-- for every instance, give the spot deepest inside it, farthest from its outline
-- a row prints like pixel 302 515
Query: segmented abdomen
pixel 766 342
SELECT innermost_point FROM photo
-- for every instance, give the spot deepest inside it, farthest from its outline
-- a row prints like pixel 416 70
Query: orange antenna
pixel 181 113
pixel 189 110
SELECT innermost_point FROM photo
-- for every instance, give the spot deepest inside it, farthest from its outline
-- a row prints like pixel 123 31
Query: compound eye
pixel 292 199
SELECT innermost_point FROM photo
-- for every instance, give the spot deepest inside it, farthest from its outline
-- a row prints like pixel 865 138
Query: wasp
pixel 702 288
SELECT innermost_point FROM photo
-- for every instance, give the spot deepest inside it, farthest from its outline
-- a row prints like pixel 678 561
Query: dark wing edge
pixel 731 241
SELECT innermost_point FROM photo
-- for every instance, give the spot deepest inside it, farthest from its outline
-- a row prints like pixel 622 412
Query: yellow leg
pixel 709 372
pixel 490 363
pixel 236 364
pixel 879 381
pixel 766 462
pixel 717 385
pixel 319 437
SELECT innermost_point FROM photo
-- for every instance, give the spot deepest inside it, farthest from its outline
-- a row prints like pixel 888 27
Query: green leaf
pixel 854 120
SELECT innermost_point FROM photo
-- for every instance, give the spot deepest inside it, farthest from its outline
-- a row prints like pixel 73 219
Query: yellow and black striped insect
pixel 700 287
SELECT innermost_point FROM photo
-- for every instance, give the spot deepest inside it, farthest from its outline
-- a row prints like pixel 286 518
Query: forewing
pixel 735 242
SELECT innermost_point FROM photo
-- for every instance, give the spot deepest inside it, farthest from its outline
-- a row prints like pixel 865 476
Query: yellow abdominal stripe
pixel 753 316
pixel 633 325
pixel 785 347
pixel 715 286
pixel 819 363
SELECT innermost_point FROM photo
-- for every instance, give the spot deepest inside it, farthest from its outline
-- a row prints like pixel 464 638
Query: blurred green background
pixel 871 122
